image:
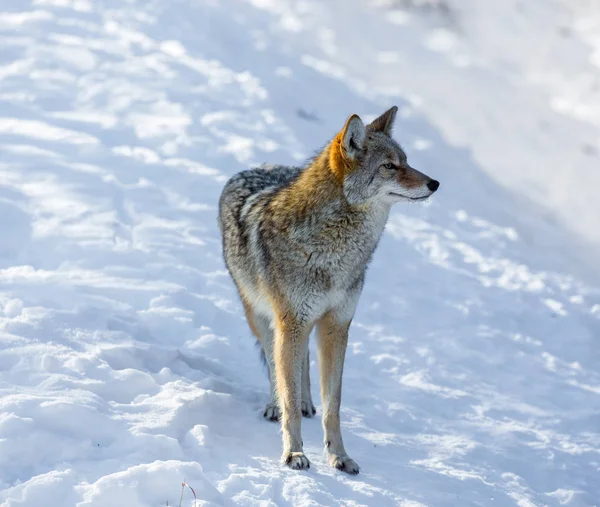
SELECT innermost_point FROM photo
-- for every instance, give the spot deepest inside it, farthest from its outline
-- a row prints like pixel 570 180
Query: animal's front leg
pixel 290 338
pixel 332 342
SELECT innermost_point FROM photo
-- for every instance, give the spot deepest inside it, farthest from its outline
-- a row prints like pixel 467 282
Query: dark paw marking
pixel 272 413
pixel 308 409
pixel 297 461
pixel 345 464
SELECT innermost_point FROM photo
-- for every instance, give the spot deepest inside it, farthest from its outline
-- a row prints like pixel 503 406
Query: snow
pixel 126 366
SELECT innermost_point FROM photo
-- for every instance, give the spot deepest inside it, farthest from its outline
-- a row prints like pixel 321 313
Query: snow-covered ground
pixel 126 365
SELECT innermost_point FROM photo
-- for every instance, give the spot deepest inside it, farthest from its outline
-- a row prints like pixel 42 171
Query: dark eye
pixel 389 165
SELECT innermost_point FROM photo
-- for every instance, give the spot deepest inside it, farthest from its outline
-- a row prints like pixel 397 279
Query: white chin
pixel 397 197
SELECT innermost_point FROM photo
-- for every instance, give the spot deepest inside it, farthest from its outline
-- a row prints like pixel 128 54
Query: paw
pixel 344 463
pixel 296 460
pixel 308 409
pixel 272 412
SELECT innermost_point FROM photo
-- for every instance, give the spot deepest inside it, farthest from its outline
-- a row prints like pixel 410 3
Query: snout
pixel 412 185
pixel 433 185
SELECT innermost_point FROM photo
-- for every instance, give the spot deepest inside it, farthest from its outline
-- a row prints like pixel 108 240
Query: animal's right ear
pixel 385 122
pixel 353 136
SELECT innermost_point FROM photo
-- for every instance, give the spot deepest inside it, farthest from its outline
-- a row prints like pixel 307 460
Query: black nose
pixel 433 185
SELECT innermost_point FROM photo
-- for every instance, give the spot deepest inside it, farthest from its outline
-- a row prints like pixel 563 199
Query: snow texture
pixel 126 366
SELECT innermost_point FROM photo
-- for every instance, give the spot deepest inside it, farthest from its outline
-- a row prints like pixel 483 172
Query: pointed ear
pixel 353 136
pixel 385 122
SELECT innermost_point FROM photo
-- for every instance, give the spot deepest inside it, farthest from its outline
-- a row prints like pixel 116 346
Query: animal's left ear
pixel 353 136
pixel 385 122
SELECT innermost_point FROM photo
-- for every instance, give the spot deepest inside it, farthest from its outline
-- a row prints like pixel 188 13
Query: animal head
pixel 372 167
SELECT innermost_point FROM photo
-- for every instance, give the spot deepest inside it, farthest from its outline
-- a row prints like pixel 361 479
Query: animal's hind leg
pixel 261 327
pixel 272 411
pixel 308 408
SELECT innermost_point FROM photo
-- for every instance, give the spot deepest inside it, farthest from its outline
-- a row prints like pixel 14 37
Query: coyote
pixel 297 242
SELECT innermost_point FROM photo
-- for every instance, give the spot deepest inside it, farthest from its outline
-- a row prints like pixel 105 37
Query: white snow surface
pixel 126 366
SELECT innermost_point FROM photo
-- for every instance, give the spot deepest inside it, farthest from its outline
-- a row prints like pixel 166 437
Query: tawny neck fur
pixel 321 184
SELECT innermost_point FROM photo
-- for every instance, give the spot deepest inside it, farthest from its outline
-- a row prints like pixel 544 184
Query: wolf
pixel 297 242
